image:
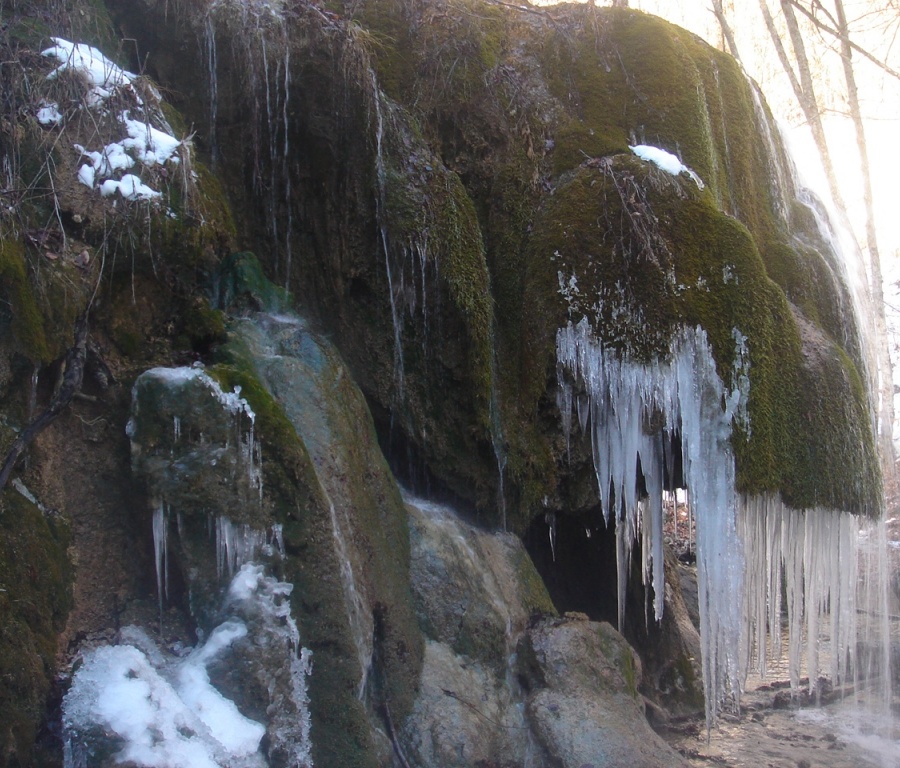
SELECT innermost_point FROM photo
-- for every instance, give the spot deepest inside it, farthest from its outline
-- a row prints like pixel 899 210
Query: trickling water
pixel 285 156
pixel 212 71
pixel 782 189
pixel 359 615
pixel 380 208
pixel 498 441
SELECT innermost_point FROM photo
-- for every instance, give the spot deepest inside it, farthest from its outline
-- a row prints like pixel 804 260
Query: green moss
pixel 200 230
pixel 531 587
pixel 17 292
pixel 289 477
pixel 240 283
pixel 35 598
pixel 391 43
pixel 628 668
pixel 202 326
pixel 697 266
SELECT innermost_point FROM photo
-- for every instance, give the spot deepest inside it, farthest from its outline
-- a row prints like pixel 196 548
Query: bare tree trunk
pixel 802 83
pixel 836 34
pixel 876 290
pixel 727 32
pixel 862 148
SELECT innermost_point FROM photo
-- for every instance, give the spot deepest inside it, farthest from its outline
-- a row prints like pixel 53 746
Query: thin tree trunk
pixel 836 34
pixel 876 290
pixel 862 148
pixel 727 32
pixel 806 95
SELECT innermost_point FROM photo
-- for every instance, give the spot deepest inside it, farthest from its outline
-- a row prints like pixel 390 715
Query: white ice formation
pixel 666 161
pixel 164 711
pixel 747 549
pixel 616 398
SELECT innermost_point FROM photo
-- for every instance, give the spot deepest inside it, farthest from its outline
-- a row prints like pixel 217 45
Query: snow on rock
pixel 86 175
pixel 141 143
pixel 151 145
pixel 130 187
pixel 118 690
pixel 239 735
pixel 162 710
pixel 49 114
pixel 112 158
pixel 101 74
pixel 665 160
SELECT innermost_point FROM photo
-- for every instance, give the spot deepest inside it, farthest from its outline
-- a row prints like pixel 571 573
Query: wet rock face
pixel 507 687
pixel 583 702
pixel 473 591
pixel 435 197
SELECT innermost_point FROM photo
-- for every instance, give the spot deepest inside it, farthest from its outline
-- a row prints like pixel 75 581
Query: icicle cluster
pixel 236 545
pixel 826 571
pixel 617 400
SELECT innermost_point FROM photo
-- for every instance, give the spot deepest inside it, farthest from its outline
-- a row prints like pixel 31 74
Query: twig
pixel 74 365
pixel 481 714
pixel 393 735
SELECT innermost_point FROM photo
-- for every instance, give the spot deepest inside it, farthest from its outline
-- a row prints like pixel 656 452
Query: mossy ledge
pixel 35 598
pixel 469 136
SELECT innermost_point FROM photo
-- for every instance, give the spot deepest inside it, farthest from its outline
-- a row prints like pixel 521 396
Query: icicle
pixel 831 571
pixel 685 390
pixel 235 546
pixel 161 555
pixel 550 519
pixel 278 538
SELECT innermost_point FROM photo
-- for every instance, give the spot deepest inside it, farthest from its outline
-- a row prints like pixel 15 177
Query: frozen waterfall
pixel 757 559
pixel 686 396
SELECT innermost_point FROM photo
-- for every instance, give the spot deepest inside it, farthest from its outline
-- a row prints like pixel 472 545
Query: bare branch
pixel 71 383
pixel 834 33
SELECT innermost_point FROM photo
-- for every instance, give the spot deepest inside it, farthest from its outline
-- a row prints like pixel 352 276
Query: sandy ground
pixel 836 736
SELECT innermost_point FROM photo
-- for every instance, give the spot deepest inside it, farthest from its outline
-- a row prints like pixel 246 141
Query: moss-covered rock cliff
pixel 443 156
pixel 437 187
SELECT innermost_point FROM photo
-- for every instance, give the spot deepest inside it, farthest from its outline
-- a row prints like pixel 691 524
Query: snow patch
pixel 129 187
pixel 101 74
pixel 665 161
pixel 86 175
pixel 160 710
pixel 151 145
pixel 119 690
pixel 49 114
